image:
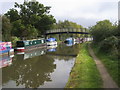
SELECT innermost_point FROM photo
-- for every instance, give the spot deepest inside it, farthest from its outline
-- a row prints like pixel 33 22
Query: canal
pixel 42 68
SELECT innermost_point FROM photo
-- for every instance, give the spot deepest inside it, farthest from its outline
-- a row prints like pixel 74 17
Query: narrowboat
pixel 6 48
pixel 26 45
pixel 51 42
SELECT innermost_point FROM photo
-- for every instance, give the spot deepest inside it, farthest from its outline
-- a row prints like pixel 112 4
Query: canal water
pixel 42 68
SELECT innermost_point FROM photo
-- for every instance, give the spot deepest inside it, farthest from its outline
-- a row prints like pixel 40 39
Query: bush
pixel 101 31
pixel 110 45
pixel 14 39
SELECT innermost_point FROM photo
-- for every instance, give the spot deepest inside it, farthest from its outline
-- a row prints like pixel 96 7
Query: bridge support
pixel 59 37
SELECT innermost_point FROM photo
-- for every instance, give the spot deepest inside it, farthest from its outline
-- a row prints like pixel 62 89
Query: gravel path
pixel 107 80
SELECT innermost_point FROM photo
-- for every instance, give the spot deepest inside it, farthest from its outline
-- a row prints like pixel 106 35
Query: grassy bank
pixel 84 73
pixel 110 63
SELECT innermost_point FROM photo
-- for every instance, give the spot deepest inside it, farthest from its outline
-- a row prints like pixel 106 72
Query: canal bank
pixel 110 62
pixel 84 74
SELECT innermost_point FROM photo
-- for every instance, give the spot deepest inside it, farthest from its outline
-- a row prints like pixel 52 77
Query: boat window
pixel 20 44
pixel 47 41
pixel 30 43
pixel 26 43
pixel 42 41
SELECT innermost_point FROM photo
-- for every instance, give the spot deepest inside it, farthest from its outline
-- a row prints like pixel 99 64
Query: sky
pixel 83 12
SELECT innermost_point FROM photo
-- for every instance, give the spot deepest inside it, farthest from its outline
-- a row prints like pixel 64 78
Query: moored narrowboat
pixel 6 48
pixel 51 42
pixel 25 45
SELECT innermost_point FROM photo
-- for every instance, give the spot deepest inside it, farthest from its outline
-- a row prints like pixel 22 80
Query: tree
pixel 13 15
pixel 46 23
pixel 68 25
pixel 101 30
pixel 18 29
pixel 33 14
pixel 32 31
pixel 106 37
pixel 6 29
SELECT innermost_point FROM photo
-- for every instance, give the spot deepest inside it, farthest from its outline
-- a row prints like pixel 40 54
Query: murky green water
pixel 42 68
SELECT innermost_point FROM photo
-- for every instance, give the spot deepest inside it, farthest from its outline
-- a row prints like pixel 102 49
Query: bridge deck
pixel 66 32
pixel 62 31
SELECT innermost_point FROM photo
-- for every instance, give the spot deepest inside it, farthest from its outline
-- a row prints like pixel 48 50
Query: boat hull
pixel 51 43
pixel 7 52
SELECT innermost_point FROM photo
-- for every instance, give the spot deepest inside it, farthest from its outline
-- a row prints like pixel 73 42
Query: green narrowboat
pixel 26 45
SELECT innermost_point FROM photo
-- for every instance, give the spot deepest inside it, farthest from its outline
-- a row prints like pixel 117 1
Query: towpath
pixel 107 80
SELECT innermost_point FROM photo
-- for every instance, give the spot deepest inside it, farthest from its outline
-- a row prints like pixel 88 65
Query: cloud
pixel 80 11
pixel 5 6
pixel 81 21
pixel 94 9
pixel 119 11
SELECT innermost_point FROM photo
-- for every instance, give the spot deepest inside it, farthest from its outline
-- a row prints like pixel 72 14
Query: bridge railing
pixel 65 30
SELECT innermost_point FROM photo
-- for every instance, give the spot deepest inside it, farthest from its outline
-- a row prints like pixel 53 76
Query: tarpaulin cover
pixel 51 39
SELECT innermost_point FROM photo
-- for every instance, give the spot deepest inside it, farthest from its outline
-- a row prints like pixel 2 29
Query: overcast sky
pixel 83 12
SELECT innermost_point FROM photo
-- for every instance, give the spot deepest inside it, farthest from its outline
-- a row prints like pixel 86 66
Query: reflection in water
pixel 6 60
pixel 63 50
pixel 70 43
pixel 31 54
pixel 29 73
pixel 40 70
pixel 51 48
pixel 60 76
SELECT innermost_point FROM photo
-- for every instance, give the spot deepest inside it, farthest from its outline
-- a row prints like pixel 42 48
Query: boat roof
pixel 31 40
pixel 51 39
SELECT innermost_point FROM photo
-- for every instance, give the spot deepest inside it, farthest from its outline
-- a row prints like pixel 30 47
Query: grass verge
pixel 111 64
pixel 84 74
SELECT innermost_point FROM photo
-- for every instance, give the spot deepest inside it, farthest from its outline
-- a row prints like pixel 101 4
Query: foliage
pixel 109 45
pixel 13 40
pixel 46 23
pixel 106 36
pixel 13 15
pixel 6 29
pixel 18 28
pixel 106 43
pixel 68 25
pixel 31 31
pixel 101 30
pixel 32 18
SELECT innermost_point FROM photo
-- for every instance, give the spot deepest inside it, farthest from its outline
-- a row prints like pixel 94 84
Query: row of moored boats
pixel 25 45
